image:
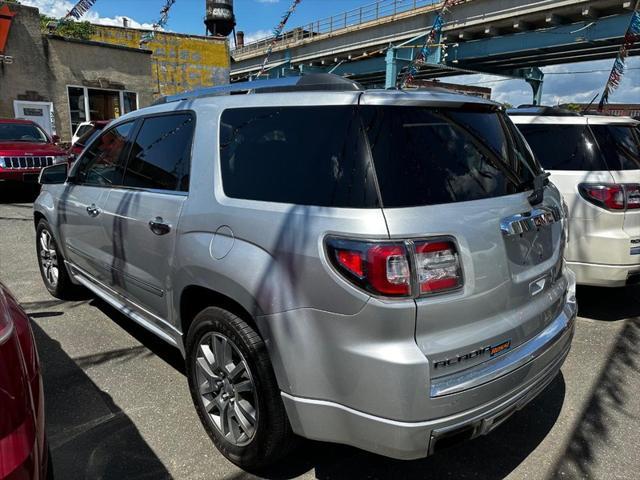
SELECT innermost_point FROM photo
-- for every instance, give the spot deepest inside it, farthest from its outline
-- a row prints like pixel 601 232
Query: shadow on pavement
pixel 608 304
pixel 158 347
pixel 89 435
pixel 490 457
pixel 613 390
pixel 18 192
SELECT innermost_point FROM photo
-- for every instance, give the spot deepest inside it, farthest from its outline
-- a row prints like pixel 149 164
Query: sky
pixel 257 18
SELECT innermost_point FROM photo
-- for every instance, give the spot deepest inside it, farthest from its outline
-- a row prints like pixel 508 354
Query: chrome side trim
pixel 529 221
pixel 112 298
pixel 494 369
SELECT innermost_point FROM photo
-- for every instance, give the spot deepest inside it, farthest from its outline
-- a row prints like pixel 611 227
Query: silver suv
pixel 376 268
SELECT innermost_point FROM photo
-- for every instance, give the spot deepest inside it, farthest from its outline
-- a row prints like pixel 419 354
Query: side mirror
pixel 54 174
pixel 55 138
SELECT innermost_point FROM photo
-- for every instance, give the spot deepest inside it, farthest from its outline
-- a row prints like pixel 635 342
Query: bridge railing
pixel 358 16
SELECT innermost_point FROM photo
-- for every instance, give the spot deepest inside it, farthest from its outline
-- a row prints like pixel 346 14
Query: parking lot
pixel 118 405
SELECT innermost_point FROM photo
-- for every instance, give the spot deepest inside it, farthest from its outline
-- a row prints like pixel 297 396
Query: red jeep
pixel 25 149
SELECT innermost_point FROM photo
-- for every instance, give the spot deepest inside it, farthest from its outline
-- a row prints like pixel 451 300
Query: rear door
pixel 142 216
pixel 86 243
pixel 466 175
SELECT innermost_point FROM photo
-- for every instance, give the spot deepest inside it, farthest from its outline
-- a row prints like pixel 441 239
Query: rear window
pixel 620 146
pixel 426 156
pixel 564 147
pixel 301 155
pixel 325 156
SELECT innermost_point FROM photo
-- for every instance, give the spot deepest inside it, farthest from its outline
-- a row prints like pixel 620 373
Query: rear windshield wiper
pixel 539 182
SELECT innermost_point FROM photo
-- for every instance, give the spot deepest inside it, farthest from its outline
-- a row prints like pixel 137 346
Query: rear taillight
pixel 619 196
pixel 632 192
pixel 397 269
pixel 437 266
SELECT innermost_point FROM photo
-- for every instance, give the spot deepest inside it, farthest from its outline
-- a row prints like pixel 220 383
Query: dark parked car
pixel 23 448
pixel 25 149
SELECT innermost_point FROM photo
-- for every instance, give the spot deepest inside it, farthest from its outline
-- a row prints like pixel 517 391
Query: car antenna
pixel 586 109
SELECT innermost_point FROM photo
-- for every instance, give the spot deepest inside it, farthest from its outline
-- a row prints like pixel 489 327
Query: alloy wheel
pixel 226 388
pixel 49 258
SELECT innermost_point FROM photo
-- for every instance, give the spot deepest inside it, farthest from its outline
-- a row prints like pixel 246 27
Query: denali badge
pixel 491 350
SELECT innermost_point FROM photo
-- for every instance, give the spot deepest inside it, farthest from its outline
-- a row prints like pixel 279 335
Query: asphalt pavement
pixel 118 406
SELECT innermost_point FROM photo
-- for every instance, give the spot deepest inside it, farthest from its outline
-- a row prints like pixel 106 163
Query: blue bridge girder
pixel 501 42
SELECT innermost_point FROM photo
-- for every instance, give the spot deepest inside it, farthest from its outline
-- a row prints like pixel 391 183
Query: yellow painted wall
pixel 179 62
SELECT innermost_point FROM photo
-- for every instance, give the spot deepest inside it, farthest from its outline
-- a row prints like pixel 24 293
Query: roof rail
pixel 308 83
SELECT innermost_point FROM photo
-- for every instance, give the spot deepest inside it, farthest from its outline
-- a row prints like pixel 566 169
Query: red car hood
pixel 27 148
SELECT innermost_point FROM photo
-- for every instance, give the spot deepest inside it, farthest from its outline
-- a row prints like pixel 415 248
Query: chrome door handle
pixel 159 226
pixel 93 211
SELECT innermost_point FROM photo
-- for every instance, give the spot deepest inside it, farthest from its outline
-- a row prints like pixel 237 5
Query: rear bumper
pixel 605 275
pixel 523 373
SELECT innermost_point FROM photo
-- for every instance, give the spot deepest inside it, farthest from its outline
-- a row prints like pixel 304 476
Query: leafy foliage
pixel 68 28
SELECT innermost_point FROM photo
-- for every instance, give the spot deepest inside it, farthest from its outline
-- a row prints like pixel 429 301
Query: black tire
pixel 63 288
pixel 273 438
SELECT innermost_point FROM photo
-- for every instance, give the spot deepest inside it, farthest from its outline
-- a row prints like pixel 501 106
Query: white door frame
pixel 52 117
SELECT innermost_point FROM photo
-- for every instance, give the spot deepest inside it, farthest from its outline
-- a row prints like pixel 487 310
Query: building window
pixel 86 104
pixel 130 102
pixel 77 107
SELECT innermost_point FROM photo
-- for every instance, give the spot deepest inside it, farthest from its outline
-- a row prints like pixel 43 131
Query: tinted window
pixel 300 155
pixel 619 145
pixel 160 154
pixel 21 132
pixel 102 163
pixel 82 130
pixel 87 137
pixel 426 156
pixel 564 147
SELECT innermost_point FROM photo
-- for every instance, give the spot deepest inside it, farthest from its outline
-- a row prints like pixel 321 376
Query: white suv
pixel 595 163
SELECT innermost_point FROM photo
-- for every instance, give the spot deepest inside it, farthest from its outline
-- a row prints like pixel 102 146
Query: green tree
pixel 67 28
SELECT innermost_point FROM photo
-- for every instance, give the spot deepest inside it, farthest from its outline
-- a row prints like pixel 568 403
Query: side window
pixel 564 147
pixel 160 156
pixel 300 155
pixel 102 163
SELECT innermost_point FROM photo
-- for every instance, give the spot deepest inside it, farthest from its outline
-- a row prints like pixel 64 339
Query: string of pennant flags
pixel 79 9
pixel 615 77
pixel 277 32
pixel 430 40
pixel 161 23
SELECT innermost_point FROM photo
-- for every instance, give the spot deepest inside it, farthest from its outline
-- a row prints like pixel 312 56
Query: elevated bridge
pixel 512 38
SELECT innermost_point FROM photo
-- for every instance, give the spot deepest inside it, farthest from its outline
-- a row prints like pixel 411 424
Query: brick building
pixel 180 62
pixel 61 82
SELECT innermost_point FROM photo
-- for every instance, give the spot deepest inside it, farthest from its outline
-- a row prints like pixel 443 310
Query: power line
pixel 578 72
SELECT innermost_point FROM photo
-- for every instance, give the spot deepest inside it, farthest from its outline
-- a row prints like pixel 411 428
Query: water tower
pixel 220 19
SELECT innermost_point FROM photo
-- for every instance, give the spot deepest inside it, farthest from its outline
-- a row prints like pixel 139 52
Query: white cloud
pixel 257 35
pixel 59 8
pixel 563 84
